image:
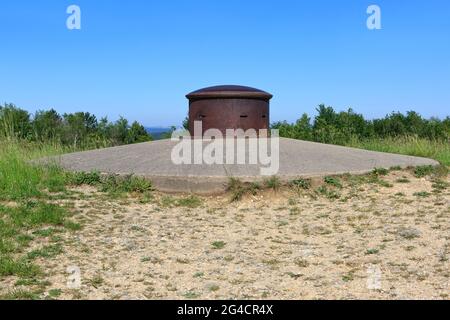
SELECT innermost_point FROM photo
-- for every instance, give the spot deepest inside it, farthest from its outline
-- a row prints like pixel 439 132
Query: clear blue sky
pixel 138 58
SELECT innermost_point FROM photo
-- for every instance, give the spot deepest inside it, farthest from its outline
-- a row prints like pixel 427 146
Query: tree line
pixel 84 130
pixel 332 127
pixel 76 130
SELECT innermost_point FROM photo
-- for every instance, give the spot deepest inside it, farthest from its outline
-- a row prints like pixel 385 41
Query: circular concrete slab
pixel 297 159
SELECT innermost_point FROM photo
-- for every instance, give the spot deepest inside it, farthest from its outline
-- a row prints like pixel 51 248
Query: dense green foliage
pixel 80 130
pixel 334 127
pixel 397 133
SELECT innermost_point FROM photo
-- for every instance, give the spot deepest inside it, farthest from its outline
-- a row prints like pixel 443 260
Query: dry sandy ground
pixel 374 242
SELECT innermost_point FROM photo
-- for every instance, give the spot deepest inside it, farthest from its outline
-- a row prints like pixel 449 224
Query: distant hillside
pixel 157 133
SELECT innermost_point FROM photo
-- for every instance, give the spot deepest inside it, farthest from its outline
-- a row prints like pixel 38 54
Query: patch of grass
pixel 45 232
pixel 146 197
pixel 330 194
pixel 422 194
pixel 237 194
pixel 423 171
pixel 403 180
pixel 54 293
pixel 125 184
pixel 21 295
pixel 439 185
pixel 85 178
pixel 333 181
pixel 6 246
pixel 20 267
pixel 189 202
pixel 213 288
pixel 273 183
pixel 198 274
pixel 72 226
pixel 253 188
pixel 218 245
pixel 441 171
pixel 301 183
pixel 32 282
pixel 20 180
pixel 97 281
pixel 380 171
pixel 238 189
pixel 384 183
pixel 191 295
pixel 375 179
pixel 348 277
pixel 49 251
pixel 34 214
pixel 167 201
pixel 409 145
pixel 372 251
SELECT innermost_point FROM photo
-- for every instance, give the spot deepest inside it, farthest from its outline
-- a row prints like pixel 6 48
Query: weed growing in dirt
pixel 333 181
pixel 238 189
pixel 304 184
pixel 191 295
pixel 328 193
pixel 19 294
pixel 273 183
pixel 125 184
pixel 97 281
pixel 218 245
pixel 422 194
pixel 49 251
pixel 372 251
pixel 423 171
pixel 435 171
pixel 189 202
pixel 380 171
pixel 439 185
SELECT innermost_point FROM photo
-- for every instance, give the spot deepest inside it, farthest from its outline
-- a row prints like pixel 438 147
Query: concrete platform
pixel 152 160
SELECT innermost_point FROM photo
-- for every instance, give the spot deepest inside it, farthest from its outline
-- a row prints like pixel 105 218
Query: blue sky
pixel 138 58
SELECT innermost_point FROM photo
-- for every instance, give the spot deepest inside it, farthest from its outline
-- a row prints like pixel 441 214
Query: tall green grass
pixel 408 145
pixel 24 205
pixel 19 179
